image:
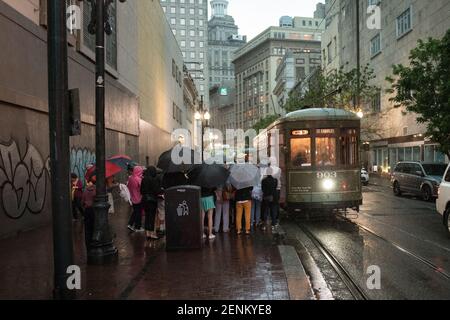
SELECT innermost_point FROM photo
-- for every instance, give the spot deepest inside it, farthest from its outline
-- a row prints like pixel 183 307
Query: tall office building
pixel 223 41
pixel 256 66
pixel 189 22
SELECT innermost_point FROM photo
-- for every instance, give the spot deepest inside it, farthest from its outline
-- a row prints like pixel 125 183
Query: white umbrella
pixel 244 176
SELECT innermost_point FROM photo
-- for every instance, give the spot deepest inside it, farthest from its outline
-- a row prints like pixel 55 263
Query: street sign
pixel 223 91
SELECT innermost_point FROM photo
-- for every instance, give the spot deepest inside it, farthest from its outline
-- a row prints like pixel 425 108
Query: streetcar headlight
pixel 328 184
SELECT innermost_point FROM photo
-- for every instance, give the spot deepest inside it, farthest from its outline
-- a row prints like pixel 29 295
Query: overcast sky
pixel 254 16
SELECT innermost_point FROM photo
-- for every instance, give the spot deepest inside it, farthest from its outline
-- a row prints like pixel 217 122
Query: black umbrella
pixel 178 160
pixel 209 176
pixel 176 179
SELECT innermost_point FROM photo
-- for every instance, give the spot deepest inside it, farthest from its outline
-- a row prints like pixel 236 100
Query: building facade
pixel 191 105
pixel 391 134
pixel 331 37
pixel 141 89
pixel 223 41
pixel 256 65
pixel 222 100
pixel 189 22
pixel 295 67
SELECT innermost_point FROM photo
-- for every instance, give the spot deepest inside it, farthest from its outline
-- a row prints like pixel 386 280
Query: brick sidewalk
pixel 229 268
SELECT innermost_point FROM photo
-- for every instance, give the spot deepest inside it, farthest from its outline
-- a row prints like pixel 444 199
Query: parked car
pixel 422 179
pixel 443 201
pixel 364 177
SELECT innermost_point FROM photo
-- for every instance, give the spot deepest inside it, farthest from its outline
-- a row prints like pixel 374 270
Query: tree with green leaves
pixel 423 88
pixel 339 89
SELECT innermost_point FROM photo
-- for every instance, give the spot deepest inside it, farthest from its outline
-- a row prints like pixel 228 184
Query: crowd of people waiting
pixel 247 208
pixel 224 207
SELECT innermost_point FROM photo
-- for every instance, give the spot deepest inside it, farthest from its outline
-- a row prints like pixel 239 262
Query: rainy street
pixel 202 151
pixel 402 237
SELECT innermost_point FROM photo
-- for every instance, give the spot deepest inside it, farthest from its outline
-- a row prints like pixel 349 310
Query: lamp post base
pixel 106 254
pixel 102 249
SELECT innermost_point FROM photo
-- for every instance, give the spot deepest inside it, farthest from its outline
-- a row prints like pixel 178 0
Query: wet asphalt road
pixel 405 239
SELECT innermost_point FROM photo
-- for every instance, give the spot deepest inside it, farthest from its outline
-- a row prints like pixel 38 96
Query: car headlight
pixel 328 184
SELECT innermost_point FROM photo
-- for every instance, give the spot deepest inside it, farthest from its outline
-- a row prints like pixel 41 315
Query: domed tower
pixel 219 8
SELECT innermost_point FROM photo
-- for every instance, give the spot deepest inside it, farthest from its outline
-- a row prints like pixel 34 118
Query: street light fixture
pixel 360 114
pixel 204 116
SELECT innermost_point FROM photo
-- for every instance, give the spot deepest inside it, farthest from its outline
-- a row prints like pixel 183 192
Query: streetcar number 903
pixel 326 175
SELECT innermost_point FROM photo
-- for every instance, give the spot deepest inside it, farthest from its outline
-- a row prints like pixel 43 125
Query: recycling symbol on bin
pixel 183 209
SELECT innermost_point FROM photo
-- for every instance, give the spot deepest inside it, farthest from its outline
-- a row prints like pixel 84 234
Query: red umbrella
pixel 122 161
pixel 111 169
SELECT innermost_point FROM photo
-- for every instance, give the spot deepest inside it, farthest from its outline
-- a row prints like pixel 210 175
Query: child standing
pixel 87 201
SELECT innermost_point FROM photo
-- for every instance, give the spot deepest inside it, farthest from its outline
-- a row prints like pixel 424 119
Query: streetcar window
pixel 325 152
pixel 301 152
pixel 349 151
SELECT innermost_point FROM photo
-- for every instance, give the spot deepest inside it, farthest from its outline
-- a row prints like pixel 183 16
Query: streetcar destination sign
pixel 300 132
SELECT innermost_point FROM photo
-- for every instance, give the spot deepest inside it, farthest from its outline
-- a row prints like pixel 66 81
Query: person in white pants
pixel 222 210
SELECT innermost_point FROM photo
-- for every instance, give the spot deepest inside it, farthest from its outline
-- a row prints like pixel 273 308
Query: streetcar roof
pixel 319 114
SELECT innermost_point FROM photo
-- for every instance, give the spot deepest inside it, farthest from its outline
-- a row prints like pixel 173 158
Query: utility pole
pixel 59 121
pixel 102 248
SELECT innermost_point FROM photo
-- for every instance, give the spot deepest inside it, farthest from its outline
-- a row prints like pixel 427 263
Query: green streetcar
pixel 318 152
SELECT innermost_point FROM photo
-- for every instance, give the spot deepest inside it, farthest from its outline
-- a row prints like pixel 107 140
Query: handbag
pixel 111 203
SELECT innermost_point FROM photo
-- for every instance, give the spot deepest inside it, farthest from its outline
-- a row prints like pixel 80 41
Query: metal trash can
pixel 184 228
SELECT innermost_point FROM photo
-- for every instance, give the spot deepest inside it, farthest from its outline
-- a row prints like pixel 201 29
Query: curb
pixel 298 282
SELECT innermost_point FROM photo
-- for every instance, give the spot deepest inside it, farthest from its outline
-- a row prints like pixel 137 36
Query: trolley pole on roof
pixel 358 56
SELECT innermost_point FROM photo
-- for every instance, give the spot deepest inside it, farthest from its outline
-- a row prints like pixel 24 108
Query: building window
pixel 404 23
pixel 110 40
pixel 375 45
pixel 376 102
pixel 174 68
pixel 177 114
pixel 330 55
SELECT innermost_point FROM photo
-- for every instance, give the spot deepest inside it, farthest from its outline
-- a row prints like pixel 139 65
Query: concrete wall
pixel 24 150
pixel 140 96
pixel 158 89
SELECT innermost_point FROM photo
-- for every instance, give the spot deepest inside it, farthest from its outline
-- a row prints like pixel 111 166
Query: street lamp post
pixel 204 116
pixel 102 248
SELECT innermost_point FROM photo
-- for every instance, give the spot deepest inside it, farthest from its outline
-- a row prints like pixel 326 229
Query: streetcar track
pixel 351 285
pixel 375 217
pixel 406 251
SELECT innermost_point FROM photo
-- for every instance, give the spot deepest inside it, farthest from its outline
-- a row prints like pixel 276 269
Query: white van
pixel 443 201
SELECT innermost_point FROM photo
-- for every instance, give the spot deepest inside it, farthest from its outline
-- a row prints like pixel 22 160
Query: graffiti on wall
pixel 24 180
pixel 79 160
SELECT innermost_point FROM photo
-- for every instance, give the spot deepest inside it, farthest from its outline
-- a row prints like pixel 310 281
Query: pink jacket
pixel 134 185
